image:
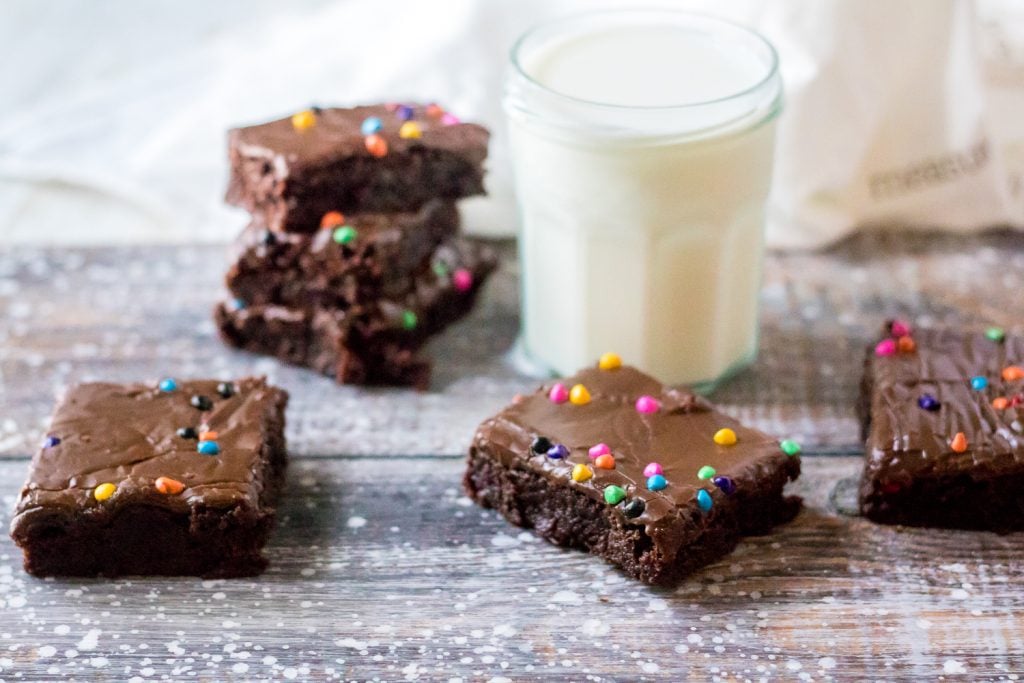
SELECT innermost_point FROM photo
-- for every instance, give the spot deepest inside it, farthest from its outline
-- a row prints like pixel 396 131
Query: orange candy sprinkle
pixel 376 145
pixel 208 435
pixel 906 344
pixel 1000 403
pixel 434 111
pixel 605 462
pixel 959 443
pixel 168 486
pixel 332 219
pixel 1013 372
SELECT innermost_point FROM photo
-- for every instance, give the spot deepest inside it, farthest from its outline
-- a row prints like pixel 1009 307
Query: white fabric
pixel 112 114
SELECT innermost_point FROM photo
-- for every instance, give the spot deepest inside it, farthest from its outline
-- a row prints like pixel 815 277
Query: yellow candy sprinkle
pixel 581 472
pixel 304 119
pixel 725 437
pixel 410 130
pixel 609 361
pixel 579 395
pixel 103 491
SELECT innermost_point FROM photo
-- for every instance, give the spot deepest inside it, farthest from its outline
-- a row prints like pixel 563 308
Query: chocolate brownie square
pixel 372 343
pixel 169 478
pixel 942 414
pixel 352 260
pixel 653 479
pixel 290 172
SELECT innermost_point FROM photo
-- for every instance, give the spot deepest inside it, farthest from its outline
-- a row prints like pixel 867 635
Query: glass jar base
pixel 525 363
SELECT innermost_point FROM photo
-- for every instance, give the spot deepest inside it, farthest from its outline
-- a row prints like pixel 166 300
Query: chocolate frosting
pixel 126 434
pixel 679 436
pixel 338 133
pixel 906 441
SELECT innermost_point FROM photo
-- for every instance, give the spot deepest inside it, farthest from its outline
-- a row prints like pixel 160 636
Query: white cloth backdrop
pixel 112 114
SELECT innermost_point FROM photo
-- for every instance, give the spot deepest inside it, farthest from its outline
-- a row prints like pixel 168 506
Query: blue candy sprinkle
pixel 238 304
pixel 727 485
pixel 168 384
pixel 208 448
pixel 51 441
pixel 656 482
pixel 928 402
pixel 372 125
pixel 703 500
pixel 979 383
pixel 558 452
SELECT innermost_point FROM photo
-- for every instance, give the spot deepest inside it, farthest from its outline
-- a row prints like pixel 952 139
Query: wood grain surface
pixel 144 312
pixel 381 569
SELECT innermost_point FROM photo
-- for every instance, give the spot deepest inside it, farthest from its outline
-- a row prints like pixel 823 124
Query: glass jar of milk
pixel 642 149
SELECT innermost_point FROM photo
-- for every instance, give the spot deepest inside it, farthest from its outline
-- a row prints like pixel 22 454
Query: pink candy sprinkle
pixel 450 119
pixel 886 347
pixel 647 404
pixel 898 328
pixel 462 279
pixel 558 393
pixel 391 106
pixel 518 398
pixel 653 469
pixel 599 450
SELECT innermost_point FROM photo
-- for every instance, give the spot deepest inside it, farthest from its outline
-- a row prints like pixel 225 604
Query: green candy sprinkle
pixel 440 269
pixel 345 234
pixel 995 334
pixel 706 472
pixel 790 447
pixel 613 495
pixel 409 320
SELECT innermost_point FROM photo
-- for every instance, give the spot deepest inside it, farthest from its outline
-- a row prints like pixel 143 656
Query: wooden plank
pixel 381 568
pixel 143 312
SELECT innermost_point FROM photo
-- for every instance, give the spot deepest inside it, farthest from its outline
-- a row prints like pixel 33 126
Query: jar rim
pixel 692 18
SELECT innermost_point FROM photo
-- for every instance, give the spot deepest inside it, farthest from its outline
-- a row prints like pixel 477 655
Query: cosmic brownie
pixel 375 343
pixel 942 412
pixel 651 478
pixel 351 260
pixel 175 478
pixel 290 172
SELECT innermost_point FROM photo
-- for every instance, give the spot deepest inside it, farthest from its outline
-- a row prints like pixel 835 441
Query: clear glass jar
pixel 642 145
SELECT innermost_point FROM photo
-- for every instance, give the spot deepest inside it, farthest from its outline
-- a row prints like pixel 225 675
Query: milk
pixel 642 179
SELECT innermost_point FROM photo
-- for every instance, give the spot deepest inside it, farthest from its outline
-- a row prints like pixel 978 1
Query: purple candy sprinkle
pixel 727 485
pixel 404 113
pixel 51 441
pixel 928 402
pixel 558 452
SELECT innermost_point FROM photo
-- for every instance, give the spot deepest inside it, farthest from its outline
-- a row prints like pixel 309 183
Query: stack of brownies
pixel 353 257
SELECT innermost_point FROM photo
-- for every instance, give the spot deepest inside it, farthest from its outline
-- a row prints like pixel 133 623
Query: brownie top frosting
pixel 945 403
pixel 649 430
pixel 130 436
pixel 339 132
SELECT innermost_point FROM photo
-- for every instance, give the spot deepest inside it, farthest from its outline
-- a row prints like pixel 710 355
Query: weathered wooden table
pixel 381 568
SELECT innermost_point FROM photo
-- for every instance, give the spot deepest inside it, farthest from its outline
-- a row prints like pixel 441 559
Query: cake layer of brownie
pixel 368 257
pixel 175 478
pixel 333 342
pixel 942 412
pixel 290 172
pixel 365 344
pixel 650 478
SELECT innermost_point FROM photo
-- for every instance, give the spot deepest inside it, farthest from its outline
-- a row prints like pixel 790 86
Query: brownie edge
pixel 569 518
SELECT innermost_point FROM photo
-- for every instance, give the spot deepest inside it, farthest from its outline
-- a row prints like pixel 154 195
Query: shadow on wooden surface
pixel 382 568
